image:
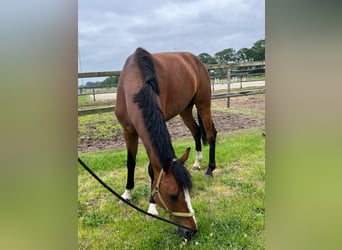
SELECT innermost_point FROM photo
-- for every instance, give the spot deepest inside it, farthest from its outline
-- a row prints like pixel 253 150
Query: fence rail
pixel 231 76
pixel 216 96
pixel 233 65
pixel 238 93
pixel 99 74
pixel 209 67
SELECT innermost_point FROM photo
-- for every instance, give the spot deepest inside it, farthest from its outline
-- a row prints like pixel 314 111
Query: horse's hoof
pixel 209 173
pixel 196 168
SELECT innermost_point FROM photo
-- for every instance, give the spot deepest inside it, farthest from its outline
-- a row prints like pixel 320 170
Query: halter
pixel 156 191
pixel 126 201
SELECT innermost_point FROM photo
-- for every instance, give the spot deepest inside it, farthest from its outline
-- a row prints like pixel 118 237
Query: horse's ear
pixel 185 155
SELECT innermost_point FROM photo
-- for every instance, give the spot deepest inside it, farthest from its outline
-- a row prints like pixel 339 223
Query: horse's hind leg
pixel 132 147
pixel 212 145
pixel 196 134
pixel 207 122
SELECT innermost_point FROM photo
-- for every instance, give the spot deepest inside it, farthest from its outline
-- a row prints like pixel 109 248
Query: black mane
pixel 154 122
pixel 146 99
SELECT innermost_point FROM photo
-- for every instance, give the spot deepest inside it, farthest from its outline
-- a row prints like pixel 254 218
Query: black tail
pixel 146 65
pixel 202 130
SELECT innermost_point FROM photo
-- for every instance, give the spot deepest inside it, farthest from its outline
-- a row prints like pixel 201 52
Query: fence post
pixel 212 78
pixel 94 94
pixel 228 87
pixel 240 80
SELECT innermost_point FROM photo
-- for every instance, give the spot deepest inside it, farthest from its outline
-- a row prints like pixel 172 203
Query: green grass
pixel 84 99
pixel 96 126
pixel 230 209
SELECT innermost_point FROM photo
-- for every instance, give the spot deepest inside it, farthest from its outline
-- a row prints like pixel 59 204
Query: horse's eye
pixel 173 197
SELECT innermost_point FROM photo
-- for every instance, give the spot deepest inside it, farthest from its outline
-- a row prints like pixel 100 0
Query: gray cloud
pixel 109 31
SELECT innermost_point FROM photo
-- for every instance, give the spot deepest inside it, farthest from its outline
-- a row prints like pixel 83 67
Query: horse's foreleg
pixel 152 209
pixel 132 146
pixel 127 194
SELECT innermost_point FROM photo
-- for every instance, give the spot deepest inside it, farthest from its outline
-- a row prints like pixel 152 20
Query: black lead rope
pixel 126 201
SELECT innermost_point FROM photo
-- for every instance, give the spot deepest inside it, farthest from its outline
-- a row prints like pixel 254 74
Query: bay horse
pixel 152 89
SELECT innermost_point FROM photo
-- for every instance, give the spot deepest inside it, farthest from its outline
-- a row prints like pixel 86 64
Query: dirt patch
pixel 225 120
pixel 253 102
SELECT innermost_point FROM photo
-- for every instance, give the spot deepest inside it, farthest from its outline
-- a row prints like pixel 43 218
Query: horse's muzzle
pixel 187 234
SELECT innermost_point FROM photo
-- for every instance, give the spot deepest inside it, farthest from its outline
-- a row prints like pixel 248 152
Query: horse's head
pixel 171 190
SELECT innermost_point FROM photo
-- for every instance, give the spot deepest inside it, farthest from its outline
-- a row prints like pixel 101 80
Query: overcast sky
pixel 110 30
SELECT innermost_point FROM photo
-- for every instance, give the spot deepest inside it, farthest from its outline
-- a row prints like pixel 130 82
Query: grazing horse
pixel 152 89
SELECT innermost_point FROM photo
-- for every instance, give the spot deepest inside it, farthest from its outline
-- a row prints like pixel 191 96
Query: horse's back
pixel 183 79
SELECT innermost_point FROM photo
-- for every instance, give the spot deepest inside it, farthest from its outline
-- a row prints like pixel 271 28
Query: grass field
pixel 229 208
pixel 84 99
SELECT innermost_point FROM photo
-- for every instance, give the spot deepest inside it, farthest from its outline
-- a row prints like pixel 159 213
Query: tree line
pixel 255 53
pixel 109 81
pixel 229 55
